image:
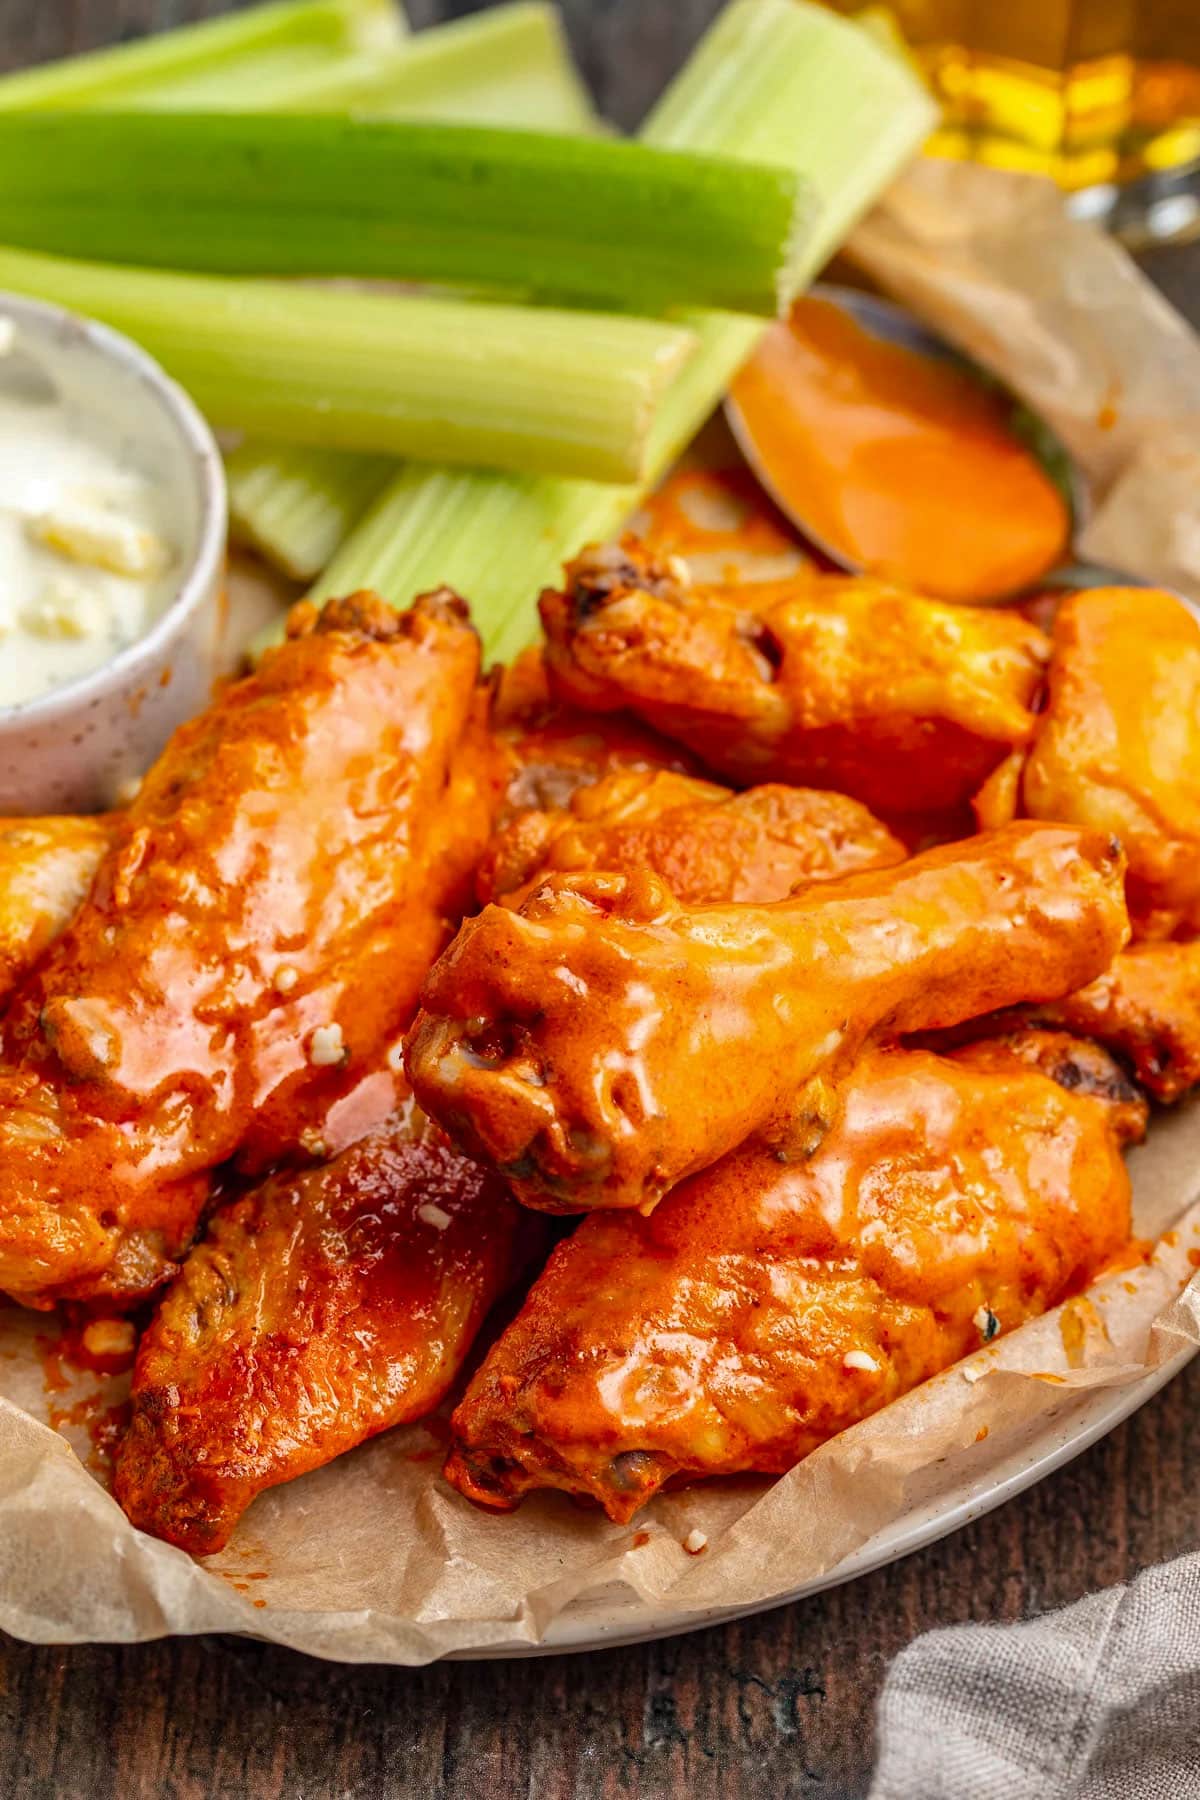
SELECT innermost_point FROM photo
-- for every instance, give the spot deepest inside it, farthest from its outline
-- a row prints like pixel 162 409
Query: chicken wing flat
pixel 1118 746
pixel 604 1042
pixel 257 931
pixel 902 703
pixel 764 1307
pixel 46 868
pixel 319 1310
pixel 707 844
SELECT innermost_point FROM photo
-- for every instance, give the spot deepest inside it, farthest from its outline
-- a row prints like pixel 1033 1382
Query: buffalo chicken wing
pixel 253 938
pixel 766 1306
pixel 902 703
pixel 319 1310
pixel 605 1042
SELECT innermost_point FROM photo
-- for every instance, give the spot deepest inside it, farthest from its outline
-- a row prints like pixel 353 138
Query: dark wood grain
pixel 778 1706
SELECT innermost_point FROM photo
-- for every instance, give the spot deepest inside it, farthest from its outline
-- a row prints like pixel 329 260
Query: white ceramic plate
pixel 598 1625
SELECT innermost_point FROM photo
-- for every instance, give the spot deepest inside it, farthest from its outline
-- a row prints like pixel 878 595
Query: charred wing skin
pixel 707 844
pixel 604 1042
pixel 764 1307
pixel 46 869
pixel 905 704
pixel 319 1310
pixel 254 937
pixel 1118 746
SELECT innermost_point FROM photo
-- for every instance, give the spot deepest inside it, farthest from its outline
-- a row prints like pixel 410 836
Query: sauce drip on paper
pixel 905 464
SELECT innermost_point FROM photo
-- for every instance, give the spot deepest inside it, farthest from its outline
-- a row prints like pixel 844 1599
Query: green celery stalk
pixel 295 505
pixel 507 66
pixel 439 380
pixel 577 220
pixel 773 80
pixel 214 61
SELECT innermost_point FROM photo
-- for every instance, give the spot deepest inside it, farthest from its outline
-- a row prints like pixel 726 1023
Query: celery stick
pixel 579 220
pixel 295 505
pixel 435 379
pixel 508 66
pixel 774 80
pixel 205 62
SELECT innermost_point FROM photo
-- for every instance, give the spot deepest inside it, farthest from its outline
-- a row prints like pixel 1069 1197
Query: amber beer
pixel 1103 95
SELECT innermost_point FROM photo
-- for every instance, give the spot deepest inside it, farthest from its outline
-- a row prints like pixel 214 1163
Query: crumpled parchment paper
pixel 374 1558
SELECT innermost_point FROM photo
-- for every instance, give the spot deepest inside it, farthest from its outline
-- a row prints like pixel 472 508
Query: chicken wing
pixel 319 1310
pixel 46 868
pixel 903 703
pixel 707 844
pixel 604 1042
pixel 256 933
pixel 765 1307
pixel 1118 745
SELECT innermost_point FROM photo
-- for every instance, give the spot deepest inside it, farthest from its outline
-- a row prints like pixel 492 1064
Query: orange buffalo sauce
pixel 904 464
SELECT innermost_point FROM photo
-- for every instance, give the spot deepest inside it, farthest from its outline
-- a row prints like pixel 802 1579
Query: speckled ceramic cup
pixel 75 749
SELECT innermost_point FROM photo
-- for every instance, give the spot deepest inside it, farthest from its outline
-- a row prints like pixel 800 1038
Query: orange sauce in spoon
pixel 905 465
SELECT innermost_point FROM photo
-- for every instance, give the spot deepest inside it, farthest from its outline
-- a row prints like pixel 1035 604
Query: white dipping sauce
pixel 87 562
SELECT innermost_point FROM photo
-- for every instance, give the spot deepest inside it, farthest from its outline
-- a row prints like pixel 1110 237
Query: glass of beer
pixel 1102 95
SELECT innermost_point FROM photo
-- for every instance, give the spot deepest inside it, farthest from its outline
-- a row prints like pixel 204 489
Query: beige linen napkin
pixel 1100 1701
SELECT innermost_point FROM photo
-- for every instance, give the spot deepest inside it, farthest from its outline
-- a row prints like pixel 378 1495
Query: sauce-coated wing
pixel 46 868
pixel 1118 746
pixel 257 932
pixel 318 1310
pixel 707 844
pixel 765 1306
pixel 604 1042
pixel 903 703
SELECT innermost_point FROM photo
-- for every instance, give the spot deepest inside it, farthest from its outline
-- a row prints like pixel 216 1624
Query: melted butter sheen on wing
pixel 764 1306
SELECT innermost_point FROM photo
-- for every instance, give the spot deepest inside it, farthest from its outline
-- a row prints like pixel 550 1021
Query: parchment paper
pixel 374 1558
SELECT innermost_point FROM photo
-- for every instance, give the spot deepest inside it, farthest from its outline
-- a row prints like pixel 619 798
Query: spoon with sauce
pixel 896 457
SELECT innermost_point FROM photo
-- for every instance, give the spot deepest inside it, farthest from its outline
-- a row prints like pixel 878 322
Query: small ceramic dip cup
pixel 79 746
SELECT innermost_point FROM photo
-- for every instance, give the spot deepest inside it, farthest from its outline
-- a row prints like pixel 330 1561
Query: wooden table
pixel 781 1705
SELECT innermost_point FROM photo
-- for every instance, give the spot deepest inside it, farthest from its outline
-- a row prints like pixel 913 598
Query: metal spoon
pixel 892 323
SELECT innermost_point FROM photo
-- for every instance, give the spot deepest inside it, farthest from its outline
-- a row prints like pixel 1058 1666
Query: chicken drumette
pixel 605 1042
